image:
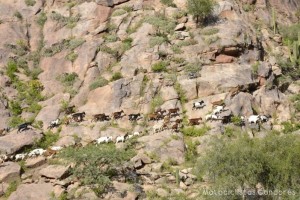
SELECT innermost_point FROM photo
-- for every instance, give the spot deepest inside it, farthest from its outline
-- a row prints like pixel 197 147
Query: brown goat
pixel 173 111
pixel 100 117
pixel 153 116
pixel 178 121
pixel 175 127
pixel 195 121
pixel 118 115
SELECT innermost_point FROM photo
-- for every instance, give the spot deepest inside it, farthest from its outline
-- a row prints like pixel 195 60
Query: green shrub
pixel 193 67
pixel 68 79
pixel 161 23
pixel 169 3
pixel 15 107
pixel 195 132
pixel 160 66
pixel 157 40
pixel 72 56
pixel 99 82
pixel 248 7
pixel 96 165
pixel 191 153
pixel 30 2
pixel 14 121
pixel 126 45
pixel 176 49
pixel 18 15
pixel 47 140
pixel 156 102
pixel 110 37
pixel 133 28
pixel 272 161
pixel 236 120
pixel 42 18
pixel 69 22
pixel 144 85
pixel 290 33
pixel 211 39
pixel 11 69
pixel 187 42
pixel 200 9
pixel 116 76
pixel 73 43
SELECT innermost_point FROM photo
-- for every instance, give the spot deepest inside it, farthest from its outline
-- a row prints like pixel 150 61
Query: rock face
pixel 9 171
pixel 14 141
pixel 41 191
pixel 163 145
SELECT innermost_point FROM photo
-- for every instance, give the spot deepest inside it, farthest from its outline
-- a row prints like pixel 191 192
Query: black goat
pixel 134 117
pixel 78 117
pixel 24 126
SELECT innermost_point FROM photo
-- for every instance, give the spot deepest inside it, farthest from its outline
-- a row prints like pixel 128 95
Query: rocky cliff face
pixel 105 56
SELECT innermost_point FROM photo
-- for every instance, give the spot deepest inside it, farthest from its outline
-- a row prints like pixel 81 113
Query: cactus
pixel 274 20
pixel 294 49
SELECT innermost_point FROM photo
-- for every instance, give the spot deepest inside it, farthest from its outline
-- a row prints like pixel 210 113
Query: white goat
pixel 218 109
pixel 120 139
pixel 264 118
pixel 20 156
pixel 53 123
pixel 104 139
pixel 136 133
pixel 36 152
pixel 130 136
pixel 199 104
pixel 211 117
pixel 253 119
pixel 56 148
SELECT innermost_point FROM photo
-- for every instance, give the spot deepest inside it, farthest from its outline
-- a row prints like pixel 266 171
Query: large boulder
pixel 54 171
pixel 9 171
pixel 40 191
pixel 163 145
pixel 14 141
pixel 273 102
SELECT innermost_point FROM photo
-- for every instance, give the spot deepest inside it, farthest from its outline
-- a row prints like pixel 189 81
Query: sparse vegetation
pixel 68 79
pixel 187 42
pixel 169 3
pixel 161 23
pixel 118 12
pixel 30 2
pixel 191 153
pixel 69 22
pixel 194 131
pixel 116 76
pixel 18 15
pixel 72 56
pixel 156 102
pixel 157 40
pixel 11 188
pixel 209 31
pixel 144 85
pixel 289 127
pixel 99 82
pixel 212 39
pixel 181 93
pixel 160 66
pixel 97 165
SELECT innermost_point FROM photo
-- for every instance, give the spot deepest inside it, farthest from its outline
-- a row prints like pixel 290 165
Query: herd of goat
pixel 165 119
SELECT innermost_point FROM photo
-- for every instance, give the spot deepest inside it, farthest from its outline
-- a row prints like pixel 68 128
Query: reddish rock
pixel 224 59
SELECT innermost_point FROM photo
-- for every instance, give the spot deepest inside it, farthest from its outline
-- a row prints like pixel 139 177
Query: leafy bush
pixel 193 67
pixel 96 165
pixel 30 2
pixel 160 66
pixel 42 18
pixel 11 69
pixel 15 108
pixel 191 153
pixel 290 33
pixel 272 161
pixel 110 37
pixel 47 140
pixel 169 3
pixel 200 9
pixel 99 82
pixel 195 132
pixel 14 121
pixel 116 76
pixel 187 42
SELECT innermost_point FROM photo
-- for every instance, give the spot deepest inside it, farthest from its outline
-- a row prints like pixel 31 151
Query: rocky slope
pixel 137 56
